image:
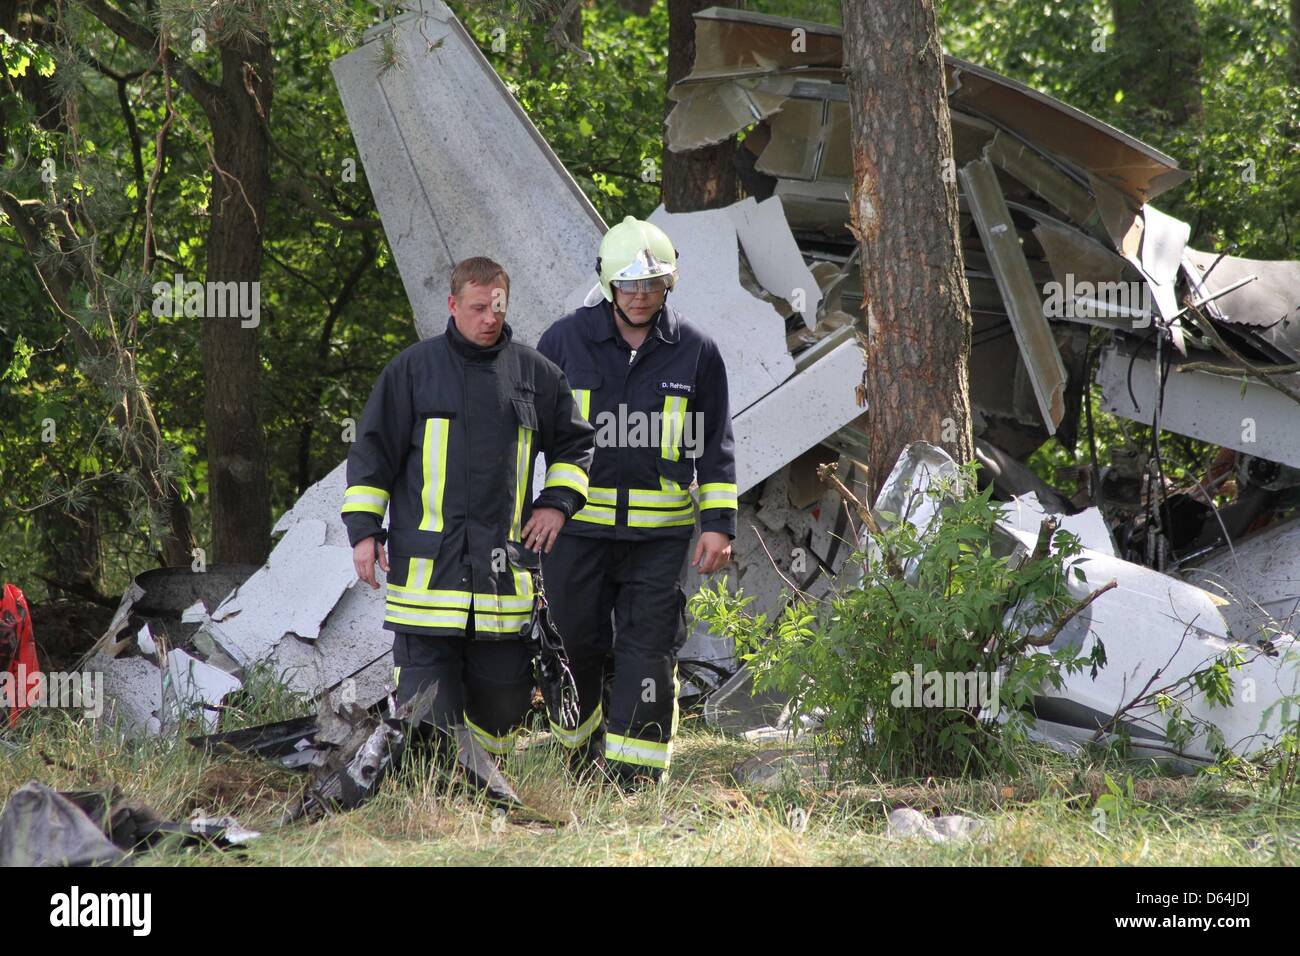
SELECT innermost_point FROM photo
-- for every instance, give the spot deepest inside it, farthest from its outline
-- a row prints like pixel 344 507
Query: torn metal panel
pixel 1181 631
pixel 777 428
pixel 708 113
pixel 1026 512
pixel 1152 242
pixel 422 130
pixel 773 255
pixel 816 206
pixel 1092 279
pixel 1019 292
pixel 1213 408
pixel 1011 477
pixel 1131 166
pixel 350 640
pixel 731 43
pixel 1259 579
pixel 810 138
pixel 1270 304
pixel 189 684
pixel 1028 166
pixel 251 622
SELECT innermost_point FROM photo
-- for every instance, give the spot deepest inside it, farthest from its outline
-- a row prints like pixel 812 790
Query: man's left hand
pixel 542 529
pixel 712 551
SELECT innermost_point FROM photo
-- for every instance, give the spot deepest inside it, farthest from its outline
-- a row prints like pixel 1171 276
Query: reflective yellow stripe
pixel 602 496
pixel 501 623
pixel 523 457
pixel 595 515
pixel 671 498
pixel 423 597
pixel 436 431
pixel 659 519
pixel 718 494
pixel 583 397
pixel 563 475
pixel 419 574
pixel 490 742
pixel 672 425
pixel 576 738
pixel 503 603
pixel 643 753
pixel 397 614
pixel 365 498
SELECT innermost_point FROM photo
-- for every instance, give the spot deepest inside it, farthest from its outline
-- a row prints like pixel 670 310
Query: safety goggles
pixel 632 286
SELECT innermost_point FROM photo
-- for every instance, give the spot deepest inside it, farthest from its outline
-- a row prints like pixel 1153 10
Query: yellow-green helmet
pixel 635 249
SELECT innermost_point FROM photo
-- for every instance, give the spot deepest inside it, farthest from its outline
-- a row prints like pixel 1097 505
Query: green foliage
pixel 604 120
pixel 964 610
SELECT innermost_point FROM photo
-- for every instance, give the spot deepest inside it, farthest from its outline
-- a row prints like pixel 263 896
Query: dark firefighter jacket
pixel 446 444
pixel 677 383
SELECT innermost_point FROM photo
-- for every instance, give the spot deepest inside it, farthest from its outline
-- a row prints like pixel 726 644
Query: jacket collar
pixel 475 352
pixel 601 327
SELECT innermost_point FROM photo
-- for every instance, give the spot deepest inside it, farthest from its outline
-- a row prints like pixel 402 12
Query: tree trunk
pixel 1159 52
pixel 239 490
pixel 904 214
pixel 703 178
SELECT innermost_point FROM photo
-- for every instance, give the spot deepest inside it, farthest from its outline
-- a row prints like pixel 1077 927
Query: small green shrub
pixel 930 662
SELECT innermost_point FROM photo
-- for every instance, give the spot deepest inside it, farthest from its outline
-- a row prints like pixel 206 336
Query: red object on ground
pixel 17 649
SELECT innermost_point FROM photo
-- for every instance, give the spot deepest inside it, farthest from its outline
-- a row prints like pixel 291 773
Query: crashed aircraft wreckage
pixel 1059 239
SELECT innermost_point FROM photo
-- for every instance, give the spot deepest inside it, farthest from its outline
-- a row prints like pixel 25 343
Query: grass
pixel 1043 814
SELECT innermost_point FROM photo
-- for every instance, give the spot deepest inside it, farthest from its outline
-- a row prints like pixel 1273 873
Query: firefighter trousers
pixel 485 684
pixel 625 597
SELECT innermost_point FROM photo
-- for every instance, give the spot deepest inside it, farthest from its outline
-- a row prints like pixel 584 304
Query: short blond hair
pixel 479 270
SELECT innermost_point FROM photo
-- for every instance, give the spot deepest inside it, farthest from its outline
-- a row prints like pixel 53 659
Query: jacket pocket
pixel 680 471
pixel 414 543
pixel 431 438
pixel 525 412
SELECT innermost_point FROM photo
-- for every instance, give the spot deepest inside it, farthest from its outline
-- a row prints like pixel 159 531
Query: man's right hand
pixel 363 559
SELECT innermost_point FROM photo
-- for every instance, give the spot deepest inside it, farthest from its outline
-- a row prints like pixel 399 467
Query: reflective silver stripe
pixel 436 431
pixel 672 426
pixel 660 519
pixel 718 494
pixel 645 753
pixel 564 475
pixel 575 738
pixel 602 496
pixel 658 499
pixel 491 743
pixel 402 615
pixel 523 457
pixel 366 499
pixel 427 598
pixel 503 603
pixel 595 515
pixel 501 623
